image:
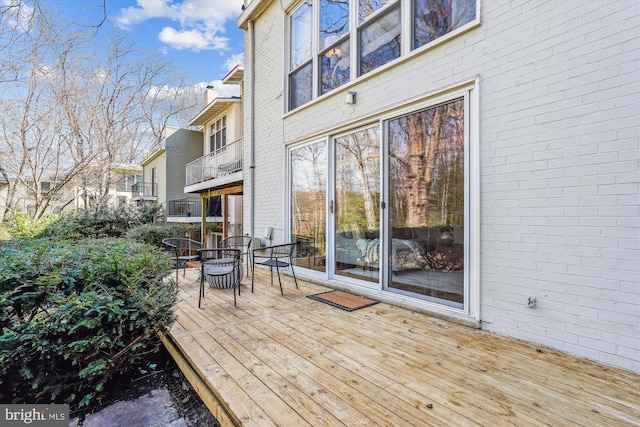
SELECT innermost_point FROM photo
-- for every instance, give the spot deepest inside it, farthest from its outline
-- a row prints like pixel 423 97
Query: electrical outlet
pixel 531 302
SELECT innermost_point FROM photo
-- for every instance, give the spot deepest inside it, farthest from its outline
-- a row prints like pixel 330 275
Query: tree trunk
pixel 423 145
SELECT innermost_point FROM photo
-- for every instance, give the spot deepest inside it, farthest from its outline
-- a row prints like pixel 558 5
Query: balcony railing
pixel 143 190
pixel 184 207
pixel 219 163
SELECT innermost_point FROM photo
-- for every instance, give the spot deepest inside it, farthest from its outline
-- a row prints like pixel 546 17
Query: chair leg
pixel 253 274
pixel 201 291
pixel 294 276
pixel 234 292
pixel 279 280
pixel 239 280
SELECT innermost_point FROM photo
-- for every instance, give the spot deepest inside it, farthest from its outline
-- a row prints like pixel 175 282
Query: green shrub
pixel 153 234
pixel 19 224
pixel 105 221
pixel 150 234
pixel 76 314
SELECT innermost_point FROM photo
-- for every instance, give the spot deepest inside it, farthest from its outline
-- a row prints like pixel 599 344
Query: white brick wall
pixel 559 108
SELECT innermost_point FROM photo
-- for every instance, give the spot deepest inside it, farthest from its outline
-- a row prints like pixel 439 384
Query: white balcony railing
pixel 221 162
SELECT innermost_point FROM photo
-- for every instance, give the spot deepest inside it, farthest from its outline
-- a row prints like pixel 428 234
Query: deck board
pixel 292 361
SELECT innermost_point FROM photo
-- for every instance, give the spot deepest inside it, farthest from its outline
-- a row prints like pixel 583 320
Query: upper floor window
pixel 300 55
pixel 435 18
pixel 332 42
pixel 218 134
pixel 379 36
pixel 334 59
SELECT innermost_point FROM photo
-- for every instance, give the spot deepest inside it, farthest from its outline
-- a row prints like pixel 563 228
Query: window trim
pixel 469 90
pixel 406 53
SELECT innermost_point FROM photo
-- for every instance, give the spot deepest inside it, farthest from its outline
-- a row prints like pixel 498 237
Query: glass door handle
pixel 331 206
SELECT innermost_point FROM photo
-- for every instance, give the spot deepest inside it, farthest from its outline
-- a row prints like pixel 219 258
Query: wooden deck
pixel 291 361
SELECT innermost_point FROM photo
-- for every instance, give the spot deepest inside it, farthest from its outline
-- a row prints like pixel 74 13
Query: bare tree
pixel 76 110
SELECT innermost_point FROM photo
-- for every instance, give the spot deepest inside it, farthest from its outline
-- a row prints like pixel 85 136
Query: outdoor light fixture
pixel 350 98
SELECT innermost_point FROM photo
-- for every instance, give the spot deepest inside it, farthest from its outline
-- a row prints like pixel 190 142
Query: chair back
pixel 220 267
pixel 276 251
pixel 205 255
pixel 237 242
pixel 181 245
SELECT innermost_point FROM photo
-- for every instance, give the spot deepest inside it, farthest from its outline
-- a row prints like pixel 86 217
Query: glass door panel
pixel 357 202
pixel 427 204
pixel 308 205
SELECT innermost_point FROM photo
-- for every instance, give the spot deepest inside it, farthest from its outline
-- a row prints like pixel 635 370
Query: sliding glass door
pixel 357 204
pixel 427 203
pixel 409 239
pixel 308 204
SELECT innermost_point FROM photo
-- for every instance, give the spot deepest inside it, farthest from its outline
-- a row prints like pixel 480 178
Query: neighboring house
pixel 476 160
pixel 72 196
pixel 164 176
pixel 217 176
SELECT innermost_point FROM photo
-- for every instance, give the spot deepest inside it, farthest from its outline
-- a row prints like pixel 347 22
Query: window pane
pixel 380 41
pixel 300 86
pixel 301 35
pixel 308 205
pixel 426 173
pixel 367 7
pixel 335 69
pixel 357 196
pixel 435 18
pixel 334 21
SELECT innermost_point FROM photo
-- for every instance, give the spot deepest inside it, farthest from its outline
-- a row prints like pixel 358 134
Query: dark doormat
pixel 343 300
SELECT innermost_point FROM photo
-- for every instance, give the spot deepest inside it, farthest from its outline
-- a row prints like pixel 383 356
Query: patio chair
pixel 185 250
pixel 243 243
pixel 221 268
pixel 278 256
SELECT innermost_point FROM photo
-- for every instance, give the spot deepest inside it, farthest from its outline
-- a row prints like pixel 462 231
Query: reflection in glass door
pixel 357 201
pixel 308 202
pixel 427 203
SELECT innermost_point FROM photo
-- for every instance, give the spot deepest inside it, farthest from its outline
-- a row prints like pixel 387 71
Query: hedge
pixel 76 313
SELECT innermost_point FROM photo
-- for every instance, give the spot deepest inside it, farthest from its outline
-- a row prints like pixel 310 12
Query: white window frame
pixel 406 45
pixel 468 90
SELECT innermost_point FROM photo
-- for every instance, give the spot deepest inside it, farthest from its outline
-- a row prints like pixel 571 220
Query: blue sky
pixel 199 35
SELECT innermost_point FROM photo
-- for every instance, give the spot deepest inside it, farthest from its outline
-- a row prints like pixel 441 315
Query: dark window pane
pixel 334 67
pixel 301 30
pixel 334 21
pixel 435 18
pixel 380 41
pixel 300 85
pixel 367 7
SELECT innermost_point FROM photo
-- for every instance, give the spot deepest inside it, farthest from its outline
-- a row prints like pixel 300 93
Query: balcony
pixel 144 191
pixel 220 165
pixel 189 207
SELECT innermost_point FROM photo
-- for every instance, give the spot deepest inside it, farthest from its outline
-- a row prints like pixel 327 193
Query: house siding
pixel 269 161
pixel 182 146
pixel 558 159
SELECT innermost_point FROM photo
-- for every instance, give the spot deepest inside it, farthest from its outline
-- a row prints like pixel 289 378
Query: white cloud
pixel 224 91
pixel 192 39
pixel 234 60
pixel 198 23
pixel 17 16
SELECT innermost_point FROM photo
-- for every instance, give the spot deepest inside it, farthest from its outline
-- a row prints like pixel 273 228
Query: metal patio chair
pixel 243 243
pixel 278 256
pixel 185 250
pixel 221 268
